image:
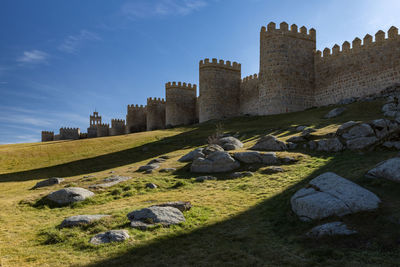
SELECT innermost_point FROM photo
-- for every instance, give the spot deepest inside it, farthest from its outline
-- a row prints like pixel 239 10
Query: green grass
pixel 240 222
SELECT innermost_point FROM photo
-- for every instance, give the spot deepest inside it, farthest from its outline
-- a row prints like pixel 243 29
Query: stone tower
pixel 180 105
pixel 103 129
pixel 135 119
pixel 47 136
pixel 219 89
pixel 155 118
pixel 69 133
pixel 95 120
pixel 287 76
pixel 117 127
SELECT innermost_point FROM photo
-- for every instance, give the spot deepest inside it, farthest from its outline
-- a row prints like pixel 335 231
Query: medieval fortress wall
pixel 180 104
pixel 363 69
pixel 293 76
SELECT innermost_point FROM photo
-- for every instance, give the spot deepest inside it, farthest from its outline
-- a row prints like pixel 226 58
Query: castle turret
pixel 287 77
pixel 47 136
pixel 219 89
pixel 180 105
pixel 135 119
pixel 155 118
pixel 117 127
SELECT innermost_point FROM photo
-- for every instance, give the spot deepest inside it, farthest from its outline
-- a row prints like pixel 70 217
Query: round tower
pixel 135 119
pixel 180 104
pixel 287 77
pixel 219 89
pixel 155 117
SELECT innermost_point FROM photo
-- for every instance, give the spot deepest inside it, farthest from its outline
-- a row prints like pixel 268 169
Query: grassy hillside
pixel 242 222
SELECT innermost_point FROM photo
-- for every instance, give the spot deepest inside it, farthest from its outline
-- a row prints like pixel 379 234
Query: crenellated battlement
pixel 180 85
pixel 220 64
pixel 358 45
pixel 292 32
pixel 250 78
pixel 117 123
pixel 135 107
pixel 103 125
pixel 155 101
pixel 69 129
pixel 47 132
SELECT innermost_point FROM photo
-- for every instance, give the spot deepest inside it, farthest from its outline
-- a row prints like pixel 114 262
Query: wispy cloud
pixel 33 57
pixel 143 9
pixel 73 43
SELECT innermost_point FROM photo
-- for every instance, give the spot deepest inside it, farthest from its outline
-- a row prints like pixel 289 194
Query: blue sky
pixel 60 60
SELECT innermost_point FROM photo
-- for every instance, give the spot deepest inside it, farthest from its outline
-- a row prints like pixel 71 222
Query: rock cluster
pixel 216 162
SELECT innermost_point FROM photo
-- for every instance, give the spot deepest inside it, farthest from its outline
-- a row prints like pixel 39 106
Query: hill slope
pixel 245 221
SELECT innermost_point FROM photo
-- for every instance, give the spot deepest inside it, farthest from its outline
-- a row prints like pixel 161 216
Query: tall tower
pixel 219 89
pixel 135 119
pixel 155 118
pixel 180 104
pixel 95 121
pixel 287 76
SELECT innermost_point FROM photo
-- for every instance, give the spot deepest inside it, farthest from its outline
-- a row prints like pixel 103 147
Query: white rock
pixel 110 236
pixel 69 195
pixel 332 195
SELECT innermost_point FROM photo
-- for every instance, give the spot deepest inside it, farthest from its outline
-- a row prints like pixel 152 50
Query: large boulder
pixel 215 162
pixel 48 182
pixel 330 145
pixel 334 113
pixel 361 142
pixel 384 127
pixel 330 229
pixel 388 169
pixel 332 195
pixel 81 220
pixel 230 143
pixel 269 143
pixel 192 155
pixel 69 195
pixel 357 131
pixel 151 216
pixel 251 157
pixel 110 236
pixel 345 126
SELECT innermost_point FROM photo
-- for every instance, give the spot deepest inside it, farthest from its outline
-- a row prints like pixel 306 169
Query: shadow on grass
pixel 270 234
pixel 112 160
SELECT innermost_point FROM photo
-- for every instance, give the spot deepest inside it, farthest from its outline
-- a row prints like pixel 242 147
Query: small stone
pixel 180 205
pixel 272 169
pixel 149 167
pixel 111 181
pixel 49 182
pixel 236 175
pixel 334 113
pixel 81 220
pixel 110 236
pixel 201 179
pixel 388 169
pixel 156 161
pixel 151 216
pixel 330 229
pixel 151 186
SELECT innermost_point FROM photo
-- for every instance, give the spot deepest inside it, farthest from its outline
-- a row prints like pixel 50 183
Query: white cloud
pixel 73 43
pixel 33 57
pixel 143 9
